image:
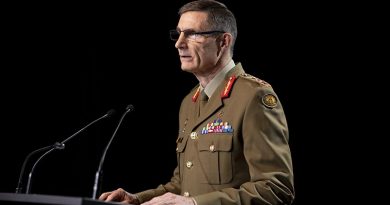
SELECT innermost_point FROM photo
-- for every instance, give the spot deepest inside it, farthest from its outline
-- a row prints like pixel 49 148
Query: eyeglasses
pixel 190 34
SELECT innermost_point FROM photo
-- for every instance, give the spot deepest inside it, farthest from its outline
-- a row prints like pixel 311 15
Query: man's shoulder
pixel 254 86
pixel 248 79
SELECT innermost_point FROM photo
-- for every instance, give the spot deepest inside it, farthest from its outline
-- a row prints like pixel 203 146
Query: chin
pixel 185 67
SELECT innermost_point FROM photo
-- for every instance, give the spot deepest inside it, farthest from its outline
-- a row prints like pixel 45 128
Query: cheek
pixel 205 50
pixel 208 54
pixel 211 49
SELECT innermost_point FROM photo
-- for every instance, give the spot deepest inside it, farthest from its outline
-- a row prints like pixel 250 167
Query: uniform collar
pixel 218 79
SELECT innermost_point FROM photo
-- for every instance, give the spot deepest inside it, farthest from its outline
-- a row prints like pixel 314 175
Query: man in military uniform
pixel 232 146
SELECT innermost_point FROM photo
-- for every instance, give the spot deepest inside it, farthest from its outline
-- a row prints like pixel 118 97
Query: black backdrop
pixel 66 65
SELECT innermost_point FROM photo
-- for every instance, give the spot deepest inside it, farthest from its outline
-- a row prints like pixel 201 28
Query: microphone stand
pixel 57 145
pixel 19 187
pixel 99 171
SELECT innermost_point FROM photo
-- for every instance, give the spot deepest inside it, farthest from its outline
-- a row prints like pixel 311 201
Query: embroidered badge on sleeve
pixel 269 100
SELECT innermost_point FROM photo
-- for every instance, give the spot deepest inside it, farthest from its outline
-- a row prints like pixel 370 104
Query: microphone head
pixel 110 113
pixel 130 108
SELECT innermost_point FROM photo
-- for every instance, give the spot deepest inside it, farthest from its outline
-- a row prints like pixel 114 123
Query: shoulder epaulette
pixel 255 79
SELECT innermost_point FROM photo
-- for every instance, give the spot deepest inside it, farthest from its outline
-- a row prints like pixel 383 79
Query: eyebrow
pixel 186 30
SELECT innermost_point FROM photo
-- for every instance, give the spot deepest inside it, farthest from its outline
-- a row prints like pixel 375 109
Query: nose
pixel 181 41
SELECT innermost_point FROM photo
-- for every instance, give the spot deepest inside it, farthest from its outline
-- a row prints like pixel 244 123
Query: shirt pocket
pixel 216 158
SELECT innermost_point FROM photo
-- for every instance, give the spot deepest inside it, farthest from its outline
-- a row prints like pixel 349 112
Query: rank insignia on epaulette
pixel 269 100
pixel 261 82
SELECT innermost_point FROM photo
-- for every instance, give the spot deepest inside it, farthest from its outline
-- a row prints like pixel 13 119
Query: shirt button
pixel 189 164
pixel 194 135
pixel 212 148
pixel 186 194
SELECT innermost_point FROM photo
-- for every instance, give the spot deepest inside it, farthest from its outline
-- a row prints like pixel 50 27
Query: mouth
pixel 185 57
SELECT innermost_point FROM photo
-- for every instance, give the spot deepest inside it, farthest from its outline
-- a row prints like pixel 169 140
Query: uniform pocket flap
pixel 180 147
pixel 215 142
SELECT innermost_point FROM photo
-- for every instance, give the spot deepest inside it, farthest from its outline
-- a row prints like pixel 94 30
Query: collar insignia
pixel 196 95
pixel 225 93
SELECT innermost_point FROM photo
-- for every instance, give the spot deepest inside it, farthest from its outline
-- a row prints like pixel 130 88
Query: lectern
pixel 39 199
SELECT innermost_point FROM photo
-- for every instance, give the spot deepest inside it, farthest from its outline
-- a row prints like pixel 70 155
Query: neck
pixel 205 78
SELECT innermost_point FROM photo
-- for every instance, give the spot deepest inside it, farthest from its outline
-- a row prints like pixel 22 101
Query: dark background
pixel 65 65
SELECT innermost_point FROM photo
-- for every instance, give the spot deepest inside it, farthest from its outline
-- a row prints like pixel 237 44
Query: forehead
pixel 192 20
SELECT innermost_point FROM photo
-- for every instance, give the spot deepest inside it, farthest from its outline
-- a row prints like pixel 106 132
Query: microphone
pixel 19 186
pixel 55 146
pixel 99 171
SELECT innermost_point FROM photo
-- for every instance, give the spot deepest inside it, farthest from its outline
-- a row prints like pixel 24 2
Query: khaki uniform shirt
pixel 234 149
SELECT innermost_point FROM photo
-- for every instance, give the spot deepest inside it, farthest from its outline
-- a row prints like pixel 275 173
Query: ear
pixel 225 40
